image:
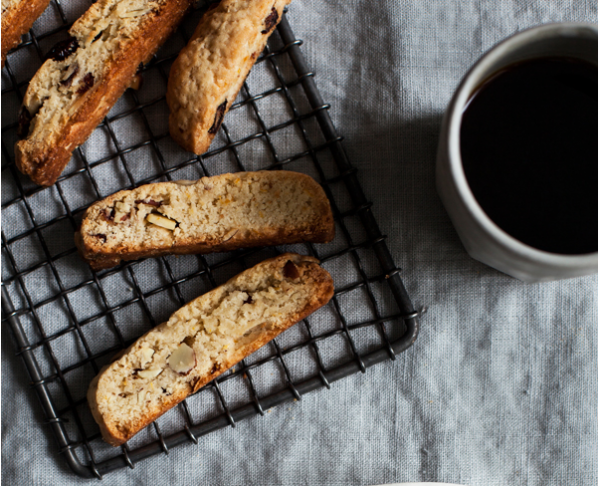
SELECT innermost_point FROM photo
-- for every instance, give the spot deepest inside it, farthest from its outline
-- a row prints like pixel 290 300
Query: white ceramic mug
pixel 482 238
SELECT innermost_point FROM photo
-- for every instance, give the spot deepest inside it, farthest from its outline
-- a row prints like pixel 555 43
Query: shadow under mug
pixel 482 238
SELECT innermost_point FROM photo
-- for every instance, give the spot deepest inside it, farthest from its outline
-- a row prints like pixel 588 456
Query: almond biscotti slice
pixel 17 18
pixel 219 213
pixel 202 340
pixel 85 75
pixel 208 73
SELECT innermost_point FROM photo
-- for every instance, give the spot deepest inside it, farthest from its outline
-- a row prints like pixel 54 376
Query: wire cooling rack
pixel 69 321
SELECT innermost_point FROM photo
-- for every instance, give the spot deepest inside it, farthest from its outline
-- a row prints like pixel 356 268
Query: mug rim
pixel 471 80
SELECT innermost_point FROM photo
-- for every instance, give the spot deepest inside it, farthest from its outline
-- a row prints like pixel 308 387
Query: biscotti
pixel 202 340
pixel 17 18
pixel 208 73
pixel 219 213
pixel 84 76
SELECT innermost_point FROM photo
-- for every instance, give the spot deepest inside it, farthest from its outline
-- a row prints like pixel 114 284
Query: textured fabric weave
pixel 501 385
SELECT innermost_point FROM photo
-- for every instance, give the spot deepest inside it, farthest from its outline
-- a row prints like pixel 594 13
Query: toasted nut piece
pixel 122 210
pixel 230 234
pixel 149 374
pixel 123 206
pixel 135 13
pixel 161 221
pixel 146 356
pixel 183 359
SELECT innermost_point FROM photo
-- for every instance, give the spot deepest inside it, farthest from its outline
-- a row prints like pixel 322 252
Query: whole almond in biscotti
pixel 209 72
pixel 17 18
pixel 219 213
pixel 204 339
pixel 84 75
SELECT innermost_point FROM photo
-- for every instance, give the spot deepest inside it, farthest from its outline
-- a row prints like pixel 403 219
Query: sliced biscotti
pixel 17 18
pixel 208 73
pixel 84 76
pixel 202 340
pixel 219 213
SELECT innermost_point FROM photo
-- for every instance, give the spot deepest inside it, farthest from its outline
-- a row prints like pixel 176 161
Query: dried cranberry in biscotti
pixel 108 215
pixel 86 83
pixel 69 80
pixel 24 122
pixel 149 202
pixel 290 270
pixel 220 113
pixel 63 49
pixel 270 21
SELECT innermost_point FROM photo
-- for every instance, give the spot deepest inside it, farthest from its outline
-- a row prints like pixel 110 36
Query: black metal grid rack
pixel 68 321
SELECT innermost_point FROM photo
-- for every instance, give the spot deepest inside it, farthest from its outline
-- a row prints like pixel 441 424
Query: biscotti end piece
pixel 84 75
pixel 42 166
pixel 220 213
pixel 17 18
pixel 202 340
pixel 209 72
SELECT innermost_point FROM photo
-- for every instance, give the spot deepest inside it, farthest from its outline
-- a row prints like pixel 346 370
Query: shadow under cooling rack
pixel 69 321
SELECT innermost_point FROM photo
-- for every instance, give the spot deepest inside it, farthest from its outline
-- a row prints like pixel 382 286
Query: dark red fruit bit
pixel 109 215
pixel 86 83
pixel 270 21
pixel 218 118
pixel 24 122
pixel 100 236
pixel 290 270
pixel 69 81
pixel 63 49
pixel 149 202
pixel 124 218
pixel 254 55
pixel 248 300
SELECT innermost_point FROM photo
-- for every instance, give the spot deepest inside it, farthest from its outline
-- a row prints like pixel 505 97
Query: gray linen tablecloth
pixel 501 385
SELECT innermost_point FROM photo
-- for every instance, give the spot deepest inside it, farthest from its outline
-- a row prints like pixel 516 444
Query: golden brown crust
pixel 209 72
pixel 44 161
pixel 321 228
pixel 322 290
pixel 111 432
pixel 17 20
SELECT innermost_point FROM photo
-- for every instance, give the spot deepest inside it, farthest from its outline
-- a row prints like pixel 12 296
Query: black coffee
pixel 529 145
